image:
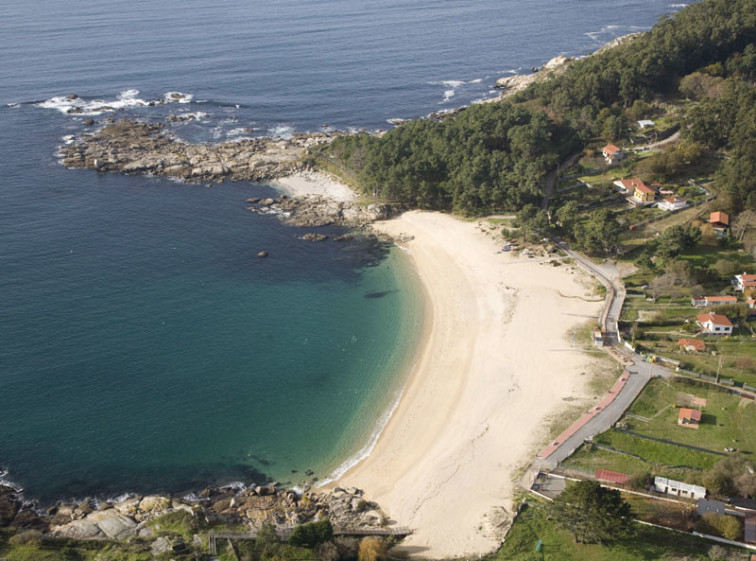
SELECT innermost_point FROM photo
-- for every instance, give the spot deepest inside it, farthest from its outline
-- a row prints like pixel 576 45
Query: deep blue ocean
pixel 143 345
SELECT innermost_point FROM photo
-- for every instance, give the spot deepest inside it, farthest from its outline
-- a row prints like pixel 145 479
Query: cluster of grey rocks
pixel 134 147
pixel 315 210
pixel 136 515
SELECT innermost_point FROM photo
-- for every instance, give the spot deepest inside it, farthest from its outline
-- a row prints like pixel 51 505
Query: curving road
pixel 628 387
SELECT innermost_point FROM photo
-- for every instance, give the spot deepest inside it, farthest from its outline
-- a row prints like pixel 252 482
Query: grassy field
pixel 657 452
pixel 649 544
pixel 727 421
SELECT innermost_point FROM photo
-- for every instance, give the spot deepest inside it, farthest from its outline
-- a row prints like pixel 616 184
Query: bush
pixel 27 537
pixel 372 549
pixel 640 481
pixel 721 525
pixel 311 534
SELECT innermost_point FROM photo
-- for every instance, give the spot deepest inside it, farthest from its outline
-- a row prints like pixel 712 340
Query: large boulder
pixel 9 505
pixel 113 524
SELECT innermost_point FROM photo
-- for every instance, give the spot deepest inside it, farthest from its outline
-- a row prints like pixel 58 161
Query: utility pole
pixel 719 367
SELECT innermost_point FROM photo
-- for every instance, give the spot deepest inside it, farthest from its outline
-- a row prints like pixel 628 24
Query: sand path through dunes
pixel 495 362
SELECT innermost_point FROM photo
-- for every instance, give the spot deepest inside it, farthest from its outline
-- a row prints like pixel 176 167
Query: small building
pixel 644 194
pixel 627 186
pixel 612 154
pixel 678 488
pixel 691 345
pixel 744 281
pixel 706 301
pixel 719 220
pixel 714 324
pixel 673 203
pixel 705 506
pixel 690 418
pixel 644 123
pixel 612 476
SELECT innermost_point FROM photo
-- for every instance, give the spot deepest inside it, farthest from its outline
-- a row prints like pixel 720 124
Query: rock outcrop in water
pixel 133 147
pixel 316 211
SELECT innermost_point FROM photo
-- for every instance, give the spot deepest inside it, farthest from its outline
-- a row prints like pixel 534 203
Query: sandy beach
pixel 495 363
pixel 305 183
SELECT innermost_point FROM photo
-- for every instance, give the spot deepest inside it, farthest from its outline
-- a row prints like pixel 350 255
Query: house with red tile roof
pixel 628 185
pixel 720 220
pixel 691 345
pixel 644 194
pixel 690 418
pixel 673 203
pixel 706 301
pixel 612 154
pixel 744 281
pixel 714 324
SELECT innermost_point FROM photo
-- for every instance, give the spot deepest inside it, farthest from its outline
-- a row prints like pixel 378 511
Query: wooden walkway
pixel 397 531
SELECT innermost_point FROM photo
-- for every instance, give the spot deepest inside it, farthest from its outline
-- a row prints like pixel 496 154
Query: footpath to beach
pixel 495 363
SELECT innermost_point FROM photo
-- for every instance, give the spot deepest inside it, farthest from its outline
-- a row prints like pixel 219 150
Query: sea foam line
pixel 366 450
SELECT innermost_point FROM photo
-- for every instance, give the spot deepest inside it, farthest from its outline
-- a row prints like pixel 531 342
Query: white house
pixel 673 203
pixel 643 123
pixel 706 301
pixel 714 324
pixel 678 488
pixel 741 282
pixel 612 154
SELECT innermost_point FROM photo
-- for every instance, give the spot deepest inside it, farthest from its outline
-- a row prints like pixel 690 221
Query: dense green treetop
pixel 496 156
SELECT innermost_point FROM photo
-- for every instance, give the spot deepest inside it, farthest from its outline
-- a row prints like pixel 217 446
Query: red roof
pixel 612 476
pixel 643 188
pixel 729 299
pixel 610 149
pixel 715 319
pixel 697 344
pixel 690 414
pixel 675 199
pixel 719 218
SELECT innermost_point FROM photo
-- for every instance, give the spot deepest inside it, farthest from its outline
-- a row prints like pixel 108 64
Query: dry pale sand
pixel 304 183
pixel 495 364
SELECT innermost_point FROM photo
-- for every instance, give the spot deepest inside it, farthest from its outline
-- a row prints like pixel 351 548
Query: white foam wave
pixel 678 6
pixel 75 105
pixel 366 450
pixel 177 97
pixel 238 131
pixel 4 480
pixel 452 83
pixel 448 94
pixel 68 139
pixel 12 104
pixel 613 31
pixel 281 131
pixel 476 81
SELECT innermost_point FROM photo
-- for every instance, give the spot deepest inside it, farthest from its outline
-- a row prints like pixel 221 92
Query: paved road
pixel 639 371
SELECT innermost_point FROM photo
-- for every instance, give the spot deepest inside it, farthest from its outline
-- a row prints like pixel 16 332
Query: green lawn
pixel 649 544
pixel 727 421
pixel 657 452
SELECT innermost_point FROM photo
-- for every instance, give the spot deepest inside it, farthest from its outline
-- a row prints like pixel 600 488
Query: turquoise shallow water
pixel 143 345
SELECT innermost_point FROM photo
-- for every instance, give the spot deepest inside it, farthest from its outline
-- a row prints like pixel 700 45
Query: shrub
pixel 722 525
pixel 27 537
pixel 311 534
pixel 371 549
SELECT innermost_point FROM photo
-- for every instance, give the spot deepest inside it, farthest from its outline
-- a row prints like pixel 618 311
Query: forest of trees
pixel 496 156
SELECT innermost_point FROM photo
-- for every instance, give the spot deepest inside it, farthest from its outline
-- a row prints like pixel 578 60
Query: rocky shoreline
pixel 137 516
pixel 134 147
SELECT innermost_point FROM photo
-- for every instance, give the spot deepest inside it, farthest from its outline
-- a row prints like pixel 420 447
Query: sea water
pixel 143 344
